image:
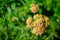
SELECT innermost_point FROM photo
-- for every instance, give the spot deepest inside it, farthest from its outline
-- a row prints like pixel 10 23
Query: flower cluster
pixel 34 8
pixel 39 23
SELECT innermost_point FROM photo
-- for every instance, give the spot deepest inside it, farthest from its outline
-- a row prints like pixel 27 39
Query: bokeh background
pixel 14 13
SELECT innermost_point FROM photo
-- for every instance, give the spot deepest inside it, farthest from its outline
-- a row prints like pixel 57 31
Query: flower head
pixel 28 22
pixel 39 23
pixel 34 8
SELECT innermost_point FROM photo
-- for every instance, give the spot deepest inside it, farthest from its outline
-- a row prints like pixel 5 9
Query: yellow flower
pixel 38 30
pixel 37 16
pixel 34 8
pixel 46 21
pixel 35 31
pixel 29 21
pixel 41 31
pixel 37 23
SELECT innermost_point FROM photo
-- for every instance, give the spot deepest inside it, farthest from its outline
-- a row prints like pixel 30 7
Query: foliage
pixel 16 29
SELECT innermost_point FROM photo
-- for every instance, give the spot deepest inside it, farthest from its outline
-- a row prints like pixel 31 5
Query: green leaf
pixel 13 5
pixel 57 11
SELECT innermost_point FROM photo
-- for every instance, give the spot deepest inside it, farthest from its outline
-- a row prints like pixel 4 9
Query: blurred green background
pixel 17 30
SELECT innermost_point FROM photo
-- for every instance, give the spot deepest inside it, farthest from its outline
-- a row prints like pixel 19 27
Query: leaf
pixel 57 11
pixel 13 5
